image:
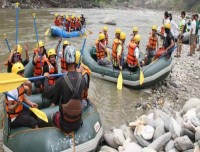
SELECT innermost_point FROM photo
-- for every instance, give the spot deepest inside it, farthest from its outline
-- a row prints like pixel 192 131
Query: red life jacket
pixel 100 53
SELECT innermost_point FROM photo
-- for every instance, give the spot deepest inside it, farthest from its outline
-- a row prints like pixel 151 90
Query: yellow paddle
pixel 47 32
pixel 141 75
pixel 40 114
pixel 10 81
pixel 90 32
pixel 120 81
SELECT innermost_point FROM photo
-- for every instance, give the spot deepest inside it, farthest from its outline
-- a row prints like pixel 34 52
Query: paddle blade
pixel 120 81
pixel 10 81
pixel 90 32
pixel 141 77
pixel 47 31
pixel 40 114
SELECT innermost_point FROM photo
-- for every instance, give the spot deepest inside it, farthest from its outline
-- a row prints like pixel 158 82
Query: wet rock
pixel 141 141
pixel 147 132
pixel 159 131
pixel 118 137
pixel 129 133
pixel 148 149
pixel 197 134
pixel 176 84
pixel 109 138
pixel 189 150
pixel 108 20
pixel 169 146
pixel 160 141
pixel 183 143
pixel 138 130
pixel 108 149
pixel 187 132
pixel 133 147
pixel 192 103
pixel 195 121
pixel 174 128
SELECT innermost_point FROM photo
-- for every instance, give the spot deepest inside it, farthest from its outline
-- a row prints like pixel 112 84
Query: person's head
pixel 73 17
pixel 137 39
pixel 196 17
pixel 70 55
pixel 18 68
pixel 52 56
pixel 122 37
pixel 167 28
pixel 170 16
pixel 166 15
pixel 40 46
pixel 117 33
pixel 154 30
pixel 56 15
pixel 183 14
pixel 105 29
pixel 17 55
pixel 135 30
pixel 65 43
pixel 101 37
pixel 193 17
pixel 82 14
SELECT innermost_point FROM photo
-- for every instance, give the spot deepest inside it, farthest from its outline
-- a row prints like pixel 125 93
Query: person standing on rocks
pixel 192 36
pixel 174 27
pixel 182 29
pixel 197 31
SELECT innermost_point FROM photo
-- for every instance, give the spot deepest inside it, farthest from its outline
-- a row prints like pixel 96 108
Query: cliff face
pixel 187 5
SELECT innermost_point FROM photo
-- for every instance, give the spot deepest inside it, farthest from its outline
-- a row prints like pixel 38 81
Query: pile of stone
pixel 158 132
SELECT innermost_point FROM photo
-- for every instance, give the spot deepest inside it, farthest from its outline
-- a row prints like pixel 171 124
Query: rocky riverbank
pixel 160 130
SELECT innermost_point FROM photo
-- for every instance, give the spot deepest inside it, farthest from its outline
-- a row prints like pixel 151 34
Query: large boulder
pixel 183 143
pixel 165 117
pixel 159 131
pixel 147 132
pixel 187 132
pixel 118 137
pixel 133 147
pixel 108 20
pixel 174 128
pixel 109 138
pixel 192 103
pixel 141 141
pixel 169 146
pixel 160 141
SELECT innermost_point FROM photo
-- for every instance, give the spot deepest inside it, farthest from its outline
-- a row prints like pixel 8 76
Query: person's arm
pixel 45 68
pixel 183 26
pixel 11 106
pixel 119 54
pixel 11 54
pixel 35 57
pixel 26 51
pixel 30 103
pixel 171 46
pixel 137 52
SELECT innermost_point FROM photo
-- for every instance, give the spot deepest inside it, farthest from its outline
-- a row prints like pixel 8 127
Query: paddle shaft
pixel 24 104
pixel 6 40
pixel 42 77
pixel 36 32
pixel 81 52
pixel 17 15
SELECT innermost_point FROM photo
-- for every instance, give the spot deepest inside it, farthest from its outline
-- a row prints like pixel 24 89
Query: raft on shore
pixel 59 32
pixel 153 73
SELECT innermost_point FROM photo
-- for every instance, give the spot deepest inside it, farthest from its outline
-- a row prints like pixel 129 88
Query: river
pixel 115 107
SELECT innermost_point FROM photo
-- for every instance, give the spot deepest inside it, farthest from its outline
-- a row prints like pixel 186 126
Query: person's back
pixel 70 87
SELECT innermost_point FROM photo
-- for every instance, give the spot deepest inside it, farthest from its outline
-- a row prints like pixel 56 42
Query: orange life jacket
pixel 57 22
pixel 73 24
pixel 85 71
pixel 19 109
pixel 116 42
pixel 162 31
pixel 52 70
pixel 152 43
pixel 100 53
pixel 78 24
pixel 39 65
pixel 131 59
pixel 63 63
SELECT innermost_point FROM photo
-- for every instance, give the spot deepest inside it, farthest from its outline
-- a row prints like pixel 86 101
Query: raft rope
pixel 72 134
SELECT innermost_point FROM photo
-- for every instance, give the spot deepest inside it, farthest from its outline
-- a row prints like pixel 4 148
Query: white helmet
pixel 70 54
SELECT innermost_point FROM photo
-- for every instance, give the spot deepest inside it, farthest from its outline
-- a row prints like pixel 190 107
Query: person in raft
pixel 70 87
pixel 168 43
pixel 50 67
pixel 117 51
pixel 18 116
pixel 102 50
pixel 39 58
pixel 15 56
